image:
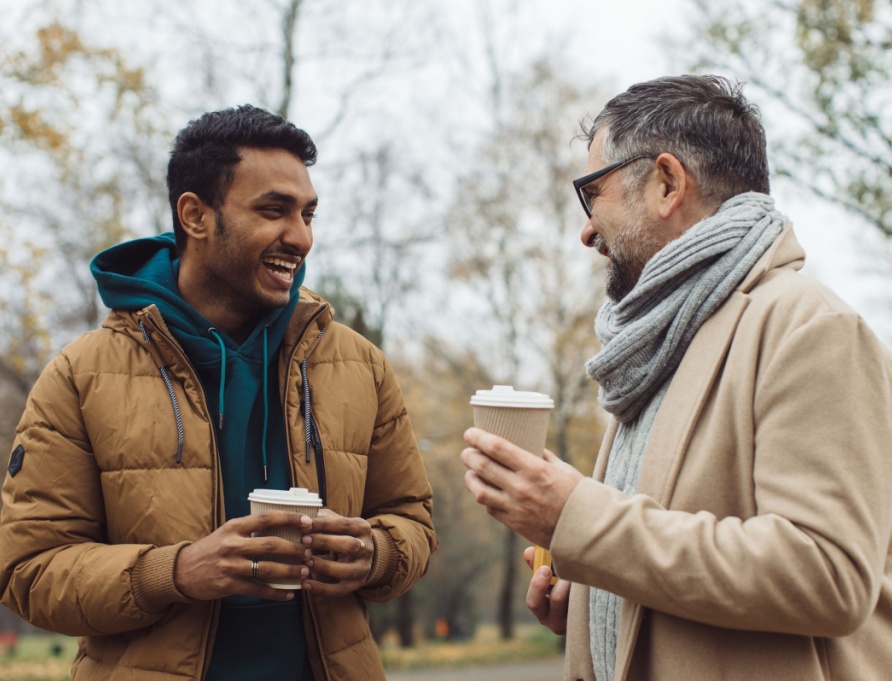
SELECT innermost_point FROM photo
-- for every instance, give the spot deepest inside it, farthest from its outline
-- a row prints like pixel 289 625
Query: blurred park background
pixel 448 228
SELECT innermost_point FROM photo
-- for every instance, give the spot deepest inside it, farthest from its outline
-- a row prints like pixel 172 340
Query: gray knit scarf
pixel 645 335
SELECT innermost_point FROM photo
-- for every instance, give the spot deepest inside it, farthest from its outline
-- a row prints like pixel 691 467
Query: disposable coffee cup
pixel 294 500
pixel 518 416
pixel 521 418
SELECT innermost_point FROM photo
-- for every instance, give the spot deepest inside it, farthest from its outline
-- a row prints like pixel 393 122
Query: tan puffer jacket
pixel 120 470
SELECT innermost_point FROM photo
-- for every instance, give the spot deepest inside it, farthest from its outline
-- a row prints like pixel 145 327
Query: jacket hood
pixel 142 272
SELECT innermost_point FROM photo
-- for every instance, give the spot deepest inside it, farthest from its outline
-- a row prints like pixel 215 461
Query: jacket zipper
pixel 312 432
pixel 217 492
pixel 288 365
pixel 308 603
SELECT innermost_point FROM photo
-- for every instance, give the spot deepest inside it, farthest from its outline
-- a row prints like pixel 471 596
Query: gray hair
pixel 705 121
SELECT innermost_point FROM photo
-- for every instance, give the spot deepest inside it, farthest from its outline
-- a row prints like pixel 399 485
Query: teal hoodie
pixel 250 431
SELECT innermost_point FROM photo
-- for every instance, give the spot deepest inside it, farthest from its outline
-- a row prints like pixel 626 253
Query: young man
pixel 739 521
pixel 125 517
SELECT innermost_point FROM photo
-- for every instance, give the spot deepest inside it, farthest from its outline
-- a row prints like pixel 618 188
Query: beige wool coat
pixel 92 523
pixel 758 545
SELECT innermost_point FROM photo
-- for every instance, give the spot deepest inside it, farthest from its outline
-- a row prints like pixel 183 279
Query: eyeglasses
pixel 584 197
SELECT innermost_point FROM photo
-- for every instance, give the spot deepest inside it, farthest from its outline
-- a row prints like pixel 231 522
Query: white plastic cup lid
pixel 507 396
pixel 297 496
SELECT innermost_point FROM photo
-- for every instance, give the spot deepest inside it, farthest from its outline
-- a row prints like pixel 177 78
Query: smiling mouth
pixel 283 269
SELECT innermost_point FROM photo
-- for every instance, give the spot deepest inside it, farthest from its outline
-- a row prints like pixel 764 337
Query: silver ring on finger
pixel 359 549
pixel 254 564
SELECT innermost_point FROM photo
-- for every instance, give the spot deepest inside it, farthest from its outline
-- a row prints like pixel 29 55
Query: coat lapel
pixel 604 452
pixel 674 426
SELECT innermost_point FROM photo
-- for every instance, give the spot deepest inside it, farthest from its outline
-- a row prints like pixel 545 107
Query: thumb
pixel 528 554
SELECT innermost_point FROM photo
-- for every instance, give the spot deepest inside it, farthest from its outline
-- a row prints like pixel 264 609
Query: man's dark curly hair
pixel 206 151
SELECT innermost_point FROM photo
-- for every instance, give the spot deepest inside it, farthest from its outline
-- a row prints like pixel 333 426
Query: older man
pixel 739 521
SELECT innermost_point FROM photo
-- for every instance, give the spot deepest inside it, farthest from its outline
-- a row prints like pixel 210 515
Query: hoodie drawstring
pixel 213 332
pixel 173 398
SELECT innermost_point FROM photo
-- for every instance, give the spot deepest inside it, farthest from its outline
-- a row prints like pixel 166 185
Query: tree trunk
pixel 405 620
pixel 506 598
pixel 289 59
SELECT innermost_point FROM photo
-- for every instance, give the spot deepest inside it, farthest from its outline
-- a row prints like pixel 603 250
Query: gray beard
pixel 622 278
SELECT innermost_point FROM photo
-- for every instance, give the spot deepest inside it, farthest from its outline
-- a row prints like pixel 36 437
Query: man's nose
pixel 299 235
pixel 588 234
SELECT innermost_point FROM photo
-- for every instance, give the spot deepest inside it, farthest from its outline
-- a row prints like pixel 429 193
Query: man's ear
pixel 673 184
pixel 196 217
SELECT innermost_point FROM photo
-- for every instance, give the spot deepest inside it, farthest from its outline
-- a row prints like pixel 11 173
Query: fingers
pixel 342 552
pixel 496 448
pixel 487 469
pixel 559 598
pixel 264 571
pixel 484 492
pixel 537 593
pixel 270 546
pixel 221 565
pixel 336 577
pixel 333 533
pixel 258 522
pixel 549 603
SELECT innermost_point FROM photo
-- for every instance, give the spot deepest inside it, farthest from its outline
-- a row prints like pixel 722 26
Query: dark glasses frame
pixel 586 180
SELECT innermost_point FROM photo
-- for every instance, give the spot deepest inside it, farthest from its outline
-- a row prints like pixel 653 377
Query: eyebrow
pixel 283 197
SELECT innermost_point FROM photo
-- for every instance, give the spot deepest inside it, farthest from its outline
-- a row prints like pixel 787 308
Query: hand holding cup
pixel 521 418
pixel 296 500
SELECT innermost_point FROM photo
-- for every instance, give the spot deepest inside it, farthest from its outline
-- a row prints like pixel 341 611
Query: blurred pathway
pixel 548 670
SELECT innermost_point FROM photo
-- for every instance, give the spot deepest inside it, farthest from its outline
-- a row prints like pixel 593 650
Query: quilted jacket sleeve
pixel 397 499
pixel 57 571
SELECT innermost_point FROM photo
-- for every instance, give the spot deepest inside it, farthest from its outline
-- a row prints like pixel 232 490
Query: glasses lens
pixel 586 200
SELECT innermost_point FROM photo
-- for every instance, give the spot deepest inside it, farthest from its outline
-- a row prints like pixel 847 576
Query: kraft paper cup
pixel 518 416
pixel 522 418
pixel 294 500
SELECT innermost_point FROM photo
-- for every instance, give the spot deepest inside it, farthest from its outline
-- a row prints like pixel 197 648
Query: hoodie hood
pixel 139 273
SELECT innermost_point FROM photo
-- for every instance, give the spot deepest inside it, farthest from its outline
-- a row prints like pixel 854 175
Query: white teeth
pixel 278 262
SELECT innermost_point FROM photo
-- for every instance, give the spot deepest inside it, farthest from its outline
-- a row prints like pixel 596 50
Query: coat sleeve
pixel 397 499
pixel 58 572
pixel 811 560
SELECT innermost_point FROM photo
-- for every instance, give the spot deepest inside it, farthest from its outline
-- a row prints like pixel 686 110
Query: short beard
pixel 635 244
pixel 621 279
